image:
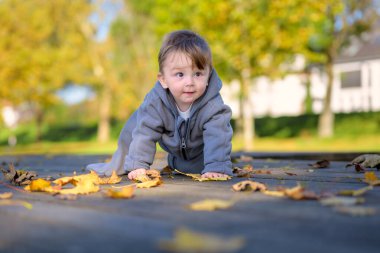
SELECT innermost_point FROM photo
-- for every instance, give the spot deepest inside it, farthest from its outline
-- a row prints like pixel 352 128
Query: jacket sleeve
pixel 217 135
pixel 148 131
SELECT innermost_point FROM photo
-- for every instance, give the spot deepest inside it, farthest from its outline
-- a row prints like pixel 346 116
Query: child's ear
pixel 161 78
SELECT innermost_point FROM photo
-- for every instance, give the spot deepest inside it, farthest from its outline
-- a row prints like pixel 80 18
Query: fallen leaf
pixel 211 205
pixel 248 185
pixel 267 172
pixel 150 183
pixel 320 164
pixel 6 195
pixel 18 177
pixel 356 210
pixel 153 173
pixel 243 172
pixel 274 193
pixel 198 177
pixel 125 192
pixel 371 178
pixel 357 192
pixel 82 187
pixel 10 202
pixel 142 178
pixel 113 179
pixel 290 174
pixel 341 201
pixel 366 161
pixel 41 185
pixel 188 241
pixel 297 193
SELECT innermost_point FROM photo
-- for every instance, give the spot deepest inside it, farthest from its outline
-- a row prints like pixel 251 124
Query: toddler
pixel 184 113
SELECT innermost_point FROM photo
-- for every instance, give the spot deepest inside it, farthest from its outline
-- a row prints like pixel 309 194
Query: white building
pixel 356 86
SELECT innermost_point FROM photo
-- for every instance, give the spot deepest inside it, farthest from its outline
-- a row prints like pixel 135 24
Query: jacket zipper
pixel 183 141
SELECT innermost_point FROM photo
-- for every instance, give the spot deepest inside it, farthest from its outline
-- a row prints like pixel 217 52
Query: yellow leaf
pixel 357 192
pixel 248 185
pixel 341 201
pixel 6 195
pixel 114 179
pixel 371 178
pixel 274 193
pixel 82 187
pixel 92 176
pixel 150 183
pixel 9 202
pixel 142 178
pixel 188 241
pixel 211 205
pixel 125 192
pixel 40 185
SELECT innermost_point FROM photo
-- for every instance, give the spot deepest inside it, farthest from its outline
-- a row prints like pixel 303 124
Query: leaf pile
pixel 18 177
pixel 83 184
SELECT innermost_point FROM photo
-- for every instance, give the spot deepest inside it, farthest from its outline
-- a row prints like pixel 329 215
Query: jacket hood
pixel 212 90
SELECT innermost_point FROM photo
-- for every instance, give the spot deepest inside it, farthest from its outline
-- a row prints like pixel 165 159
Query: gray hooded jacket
pixel 201 143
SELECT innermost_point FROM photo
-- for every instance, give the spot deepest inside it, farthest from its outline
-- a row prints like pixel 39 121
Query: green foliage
pixel 347 125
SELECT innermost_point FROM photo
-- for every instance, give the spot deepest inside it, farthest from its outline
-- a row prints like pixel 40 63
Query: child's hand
pixel 136 173
pixel 214 175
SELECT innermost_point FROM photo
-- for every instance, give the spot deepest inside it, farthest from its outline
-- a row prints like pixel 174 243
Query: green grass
pixel 299 144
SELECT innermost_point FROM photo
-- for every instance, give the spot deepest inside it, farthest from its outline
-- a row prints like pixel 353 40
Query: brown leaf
pixel 268 172
pixel 248 185
pixel 296 193
pixel 188 241
pixel 151 183
pixel 290 174
pixel 320 164
pixel 18 177
pixel 125 192
pixel 210 205
pixel 243 172
pixel 198 177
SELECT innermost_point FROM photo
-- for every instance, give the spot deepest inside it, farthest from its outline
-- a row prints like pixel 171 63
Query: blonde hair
pixel 189 43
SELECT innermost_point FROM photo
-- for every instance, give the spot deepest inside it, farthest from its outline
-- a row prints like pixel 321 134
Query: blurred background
pixel 299 75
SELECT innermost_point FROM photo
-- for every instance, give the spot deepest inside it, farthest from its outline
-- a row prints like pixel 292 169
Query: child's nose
pixel 189 80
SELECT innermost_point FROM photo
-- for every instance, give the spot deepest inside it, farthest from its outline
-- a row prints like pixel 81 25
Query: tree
pixel 41 49
pixel 249 38
pixel 339 23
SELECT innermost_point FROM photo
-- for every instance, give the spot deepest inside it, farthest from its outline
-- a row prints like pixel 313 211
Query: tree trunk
pixel 247 115
pixel 326 118
pixel 104 114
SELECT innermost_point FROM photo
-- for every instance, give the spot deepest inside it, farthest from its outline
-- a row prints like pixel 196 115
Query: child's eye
pixel 198 74
pixel 179 74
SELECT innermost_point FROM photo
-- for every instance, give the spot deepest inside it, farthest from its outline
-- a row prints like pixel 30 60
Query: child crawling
pixel 184 113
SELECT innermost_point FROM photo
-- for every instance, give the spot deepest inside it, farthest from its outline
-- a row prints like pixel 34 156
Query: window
pixel 350 79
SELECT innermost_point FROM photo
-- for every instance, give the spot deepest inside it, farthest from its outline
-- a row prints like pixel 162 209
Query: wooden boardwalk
pixel 94 223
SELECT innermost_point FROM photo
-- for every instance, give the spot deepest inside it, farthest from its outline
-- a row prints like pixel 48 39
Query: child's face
pixel 185 82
